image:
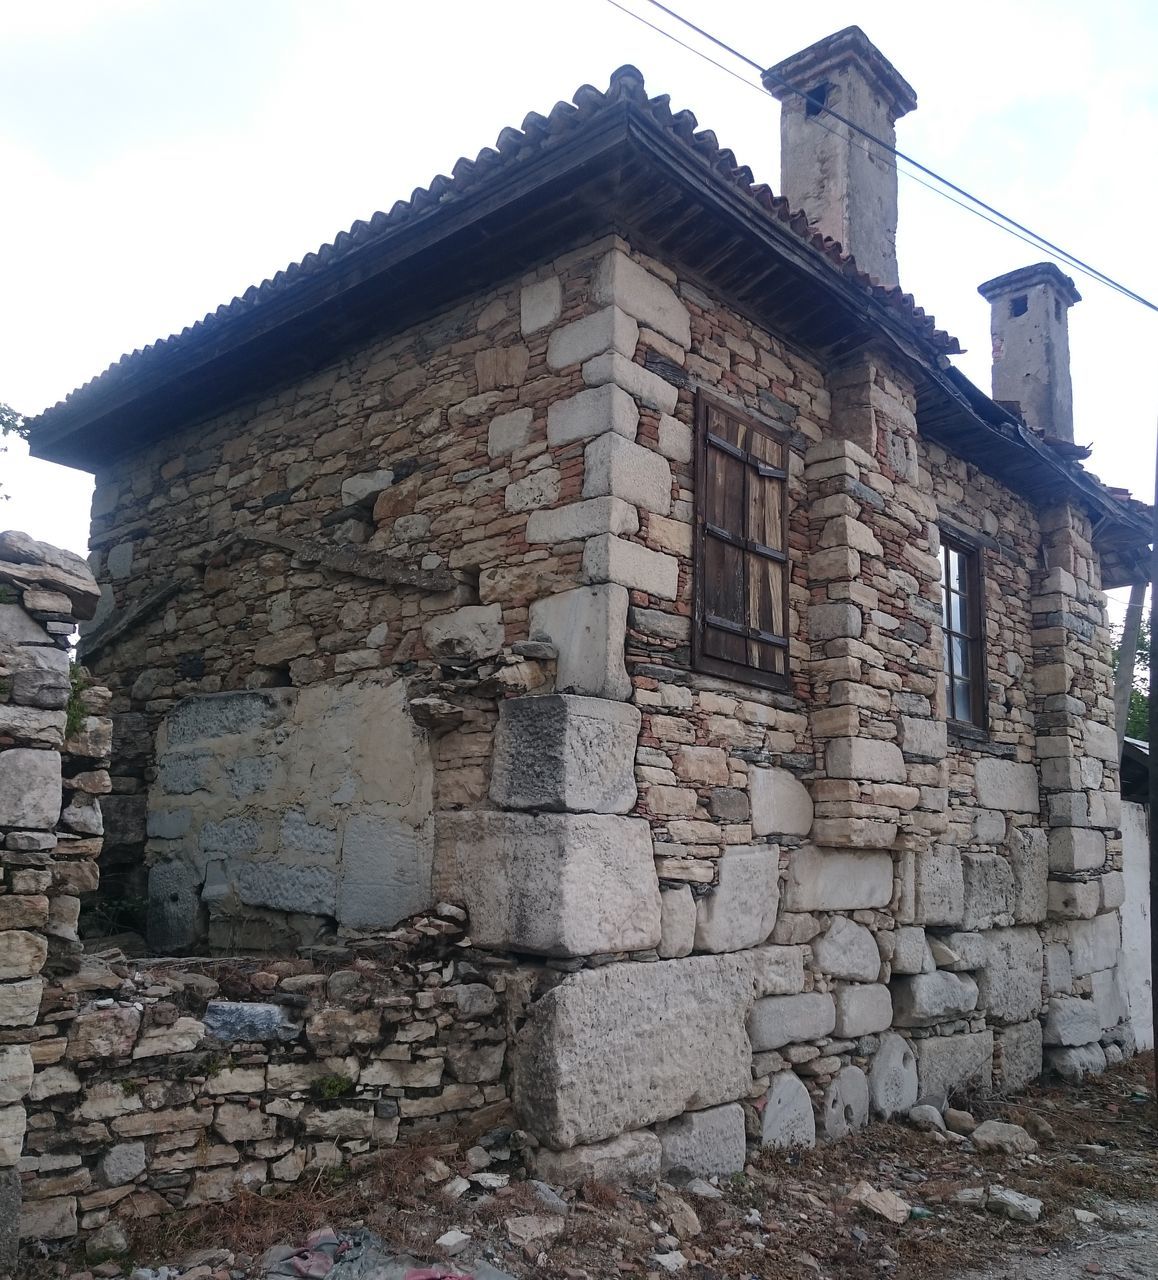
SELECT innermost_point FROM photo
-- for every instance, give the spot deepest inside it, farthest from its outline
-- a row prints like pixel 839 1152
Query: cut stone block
pixel 606 330
pixel 788 1121
pixel 845 1106
pixel 576 1060
pixel 29 788
pixel 467 634
pixel 1020 1055
pixel 939 887
pixel 834 619
pixel 551 884
pixel 847 950
pixel 540 304
pixel 386 872
pixel 22 952
pixel 892 1077
pixel 565 752
pixel 591 413
pixel 1006 785
pixel 1095 944
pixel 1101 741
pixel 509 431
pixel 1076 849
pixel 776 971
pixel 707 1143
pixel 588 627
pixel 13 1125
pixel 1109 998
pixel 864 759
pixel 16 1069
pixel 20 1002
pixel 911 953
pixel 631 564
pixel 578 520
pixel 216 715
pixel 781 804
pixel 779 1020
pixel 837 880
pixel 1069 1020
pixel 923 739
pixel 926 998
pixel 648 388
pixel 862 1009
pixel 741 911
pixel 619 468
pixel 946 1064
pixel 677 923
pixel 632 1159
pixel 622 282
pixel 1009 984
pixel 1074 1064
pixel 988 881
pixel 1029 859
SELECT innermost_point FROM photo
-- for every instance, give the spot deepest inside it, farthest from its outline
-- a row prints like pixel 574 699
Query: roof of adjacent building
pixel 613 159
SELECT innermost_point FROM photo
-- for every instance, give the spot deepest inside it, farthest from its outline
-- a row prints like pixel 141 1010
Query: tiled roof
pixel 512 148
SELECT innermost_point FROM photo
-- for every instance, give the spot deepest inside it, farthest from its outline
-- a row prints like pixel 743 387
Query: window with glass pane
pixel 963 626
pixel 741 581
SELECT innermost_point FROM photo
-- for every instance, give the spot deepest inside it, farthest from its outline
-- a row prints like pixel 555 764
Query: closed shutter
pixel 741 582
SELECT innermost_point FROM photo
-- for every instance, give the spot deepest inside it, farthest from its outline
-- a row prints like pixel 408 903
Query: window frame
pixel 709 663
pixel 974 596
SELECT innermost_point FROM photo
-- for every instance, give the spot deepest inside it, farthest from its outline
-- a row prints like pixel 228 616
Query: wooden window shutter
pixel 740 597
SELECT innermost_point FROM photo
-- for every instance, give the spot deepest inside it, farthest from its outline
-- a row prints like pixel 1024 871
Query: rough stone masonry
pixel 416 636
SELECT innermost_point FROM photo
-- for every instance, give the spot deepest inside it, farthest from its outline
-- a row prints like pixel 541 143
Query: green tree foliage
pixel 11 424
pixel 1137 719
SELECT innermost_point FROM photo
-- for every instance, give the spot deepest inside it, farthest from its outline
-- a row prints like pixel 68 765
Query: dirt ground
pixel 787 1217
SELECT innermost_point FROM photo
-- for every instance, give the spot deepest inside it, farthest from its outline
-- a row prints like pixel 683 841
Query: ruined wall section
pixel 186 1083
pixel 54 747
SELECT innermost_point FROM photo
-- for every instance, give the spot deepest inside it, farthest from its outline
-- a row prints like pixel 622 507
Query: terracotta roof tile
pixel 513 146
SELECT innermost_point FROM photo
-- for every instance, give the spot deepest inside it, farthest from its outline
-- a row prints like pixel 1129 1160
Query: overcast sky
pixel 159 156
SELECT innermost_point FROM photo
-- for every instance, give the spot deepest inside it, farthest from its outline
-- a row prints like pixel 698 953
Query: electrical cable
pixel 976 206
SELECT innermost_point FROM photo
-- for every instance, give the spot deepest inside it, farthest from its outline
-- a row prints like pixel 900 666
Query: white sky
pixel 159 156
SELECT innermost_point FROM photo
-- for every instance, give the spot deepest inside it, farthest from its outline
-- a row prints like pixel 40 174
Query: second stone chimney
pixel 845 184
pixel 1031 345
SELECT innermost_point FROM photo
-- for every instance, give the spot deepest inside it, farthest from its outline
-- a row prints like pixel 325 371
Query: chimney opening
pixel 1018 305
pixel 816 99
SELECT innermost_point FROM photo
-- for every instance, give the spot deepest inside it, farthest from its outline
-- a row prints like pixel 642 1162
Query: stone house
pixel 606 546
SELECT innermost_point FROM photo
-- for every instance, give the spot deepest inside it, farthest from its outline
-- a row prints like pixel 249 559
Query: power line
pixel 976 206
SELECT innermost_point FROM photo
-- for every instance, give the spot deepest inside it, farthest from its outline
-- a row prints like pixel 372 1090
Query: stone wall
pixel 54 748
pixel 182 1083
pixel 824 894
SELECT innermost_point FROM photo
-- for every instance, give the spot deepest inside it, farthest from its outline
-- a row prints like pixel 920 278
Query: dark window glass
pixel 740 610
pixel 964 624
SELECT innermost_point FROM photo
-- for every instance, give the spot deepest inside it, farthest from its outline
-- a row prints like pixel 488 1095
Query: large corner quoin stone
pixel 565 752
pixel 553 884
pixel 865 759
pixel 625 1045
pixel 781 804
pixel 1004 784
pixel 623 283
pixel 741 911
pixel 588 627
pixel 837 880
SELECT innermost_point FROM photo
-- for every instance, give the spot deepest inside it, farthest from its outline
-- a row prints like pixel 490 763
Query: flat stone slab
pixel 837 880
pixel 781 804
pixel 741 911
pixel 565 752
pixel 579 1073
pixel 948 1063
pixel 556 884
pixel 892 1076
pixel 631 1158
pixel 780 1020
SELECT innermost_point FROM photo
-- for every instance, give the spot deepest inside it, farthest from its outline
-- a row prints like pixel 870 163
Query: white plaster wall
pixel 1135 913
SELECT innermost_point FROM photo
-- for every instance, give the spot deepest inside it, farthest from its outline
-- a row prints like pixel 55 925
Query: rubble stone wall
pixel 165 1086
pixel 54 748
pixel 758 913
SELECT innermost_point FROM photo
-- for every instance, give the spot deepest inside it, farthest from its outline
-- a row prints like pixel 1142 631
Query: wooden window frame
pixel 974 597
pixel 702 661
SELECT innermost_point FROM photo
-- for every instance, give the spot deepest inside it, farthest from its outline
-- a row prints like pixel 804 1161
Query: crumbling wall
pixel 54 746
pixel 180 1084
pixel 279 815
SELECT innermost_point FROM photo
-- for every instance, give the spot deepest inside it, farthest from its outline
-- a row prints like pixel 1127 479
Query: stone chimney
pixel 1031 345
pixel 845 184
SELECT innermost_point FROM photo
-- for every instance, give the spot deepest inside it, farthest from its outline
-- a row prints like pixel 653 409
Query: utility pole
pixel 1152 741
